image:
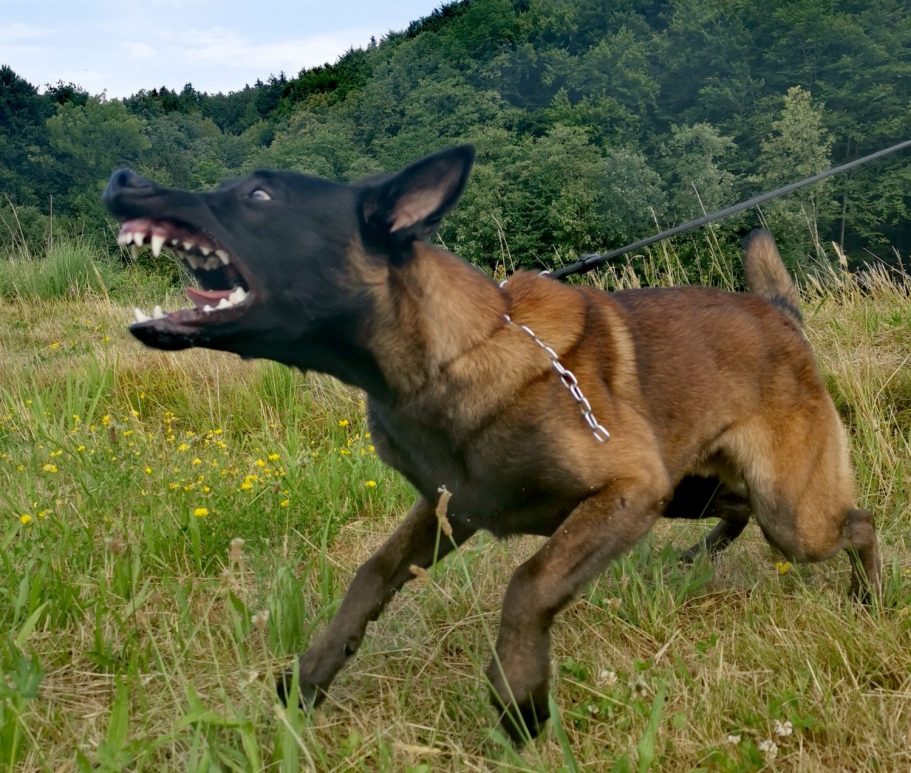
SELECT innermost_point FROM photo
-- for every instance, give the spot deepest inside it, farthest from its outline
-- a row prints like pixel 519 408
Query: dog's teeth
pixel 223 256
pixel 188 246
pixel 208 309
pixel 157 243
pixel 140 315
pixel 174 242
pixel 157 313
pixel 211 263
pixel 139 238
pixel 205 249
pixel 237 295
pixel 193 260
pixel 224 303
pixel 124 239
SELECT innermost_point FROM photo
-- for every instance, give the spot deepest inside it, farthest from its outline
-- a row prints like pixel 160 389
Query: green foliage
pixel 721 98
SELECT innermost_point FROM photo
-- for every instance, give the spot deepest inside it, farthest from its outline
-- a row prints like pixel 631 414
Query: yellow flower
pixel 80 448
pixel 56 453
pixel 260 463
pixel 49 468
pixel 201 512
pixel 783 567
pixel 148 470
pixel 196 462
pixel 173 485
pixel 274 457
pixel 54 346
pixel 105 420
pixel 343 422
pixel 183 447
pixel 246 485
pixel 370 484
pixel 25 518
pixel 344 451
pixel 284 503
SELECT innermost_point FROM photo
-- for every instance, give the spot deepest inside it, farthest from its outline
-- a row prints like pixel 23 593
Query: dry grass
pixel 135 639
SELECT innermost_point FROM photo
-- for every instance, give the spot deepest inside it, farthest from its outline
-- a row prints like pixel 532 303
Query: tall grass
pixel 174 526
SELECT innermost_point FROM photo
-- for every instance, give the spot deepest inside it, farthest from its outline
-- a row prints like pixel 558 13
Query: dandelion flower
pixel 25 518
pixel 370 483
pixel 201 512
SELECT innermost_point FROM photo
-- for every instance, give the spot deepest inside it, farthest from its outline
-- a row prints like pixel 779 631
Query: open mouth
pixel 225 289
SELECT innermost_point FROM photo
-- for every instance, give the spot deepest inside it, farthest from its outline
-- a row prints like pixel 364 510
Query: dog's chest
pixel 505 487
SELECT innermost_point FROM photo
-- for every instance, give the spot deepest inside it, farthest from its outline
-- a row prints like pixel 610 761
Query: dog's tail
pixel 766 273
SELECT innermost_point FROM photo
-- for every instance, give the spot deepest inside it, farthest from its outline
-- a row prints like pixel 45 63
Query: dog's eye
pixel 261 195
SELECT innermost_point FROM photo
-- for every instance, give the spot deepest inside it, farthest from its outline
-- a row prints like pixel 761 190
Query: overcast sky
pixel 121 46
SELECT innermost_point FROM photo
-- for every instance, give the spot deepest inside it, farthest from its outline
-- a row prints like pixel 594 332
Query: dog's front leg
pixel 415 542
pixel 600 528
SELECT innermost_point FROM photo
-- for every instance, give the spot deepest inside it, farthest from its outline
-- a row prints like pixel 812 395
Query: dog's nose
pixel 123 186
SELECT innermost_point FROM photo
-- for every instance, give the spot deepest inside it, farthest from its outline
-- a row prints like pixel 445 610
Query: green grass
pixel 142 634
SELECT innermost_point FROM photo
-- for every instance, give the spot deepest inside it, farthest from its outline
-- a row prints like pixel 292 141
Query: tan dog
pixel 712 400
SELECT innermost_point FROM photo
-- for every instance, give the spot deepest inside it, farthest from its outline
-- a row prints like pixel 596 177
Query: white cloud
pixel 16 32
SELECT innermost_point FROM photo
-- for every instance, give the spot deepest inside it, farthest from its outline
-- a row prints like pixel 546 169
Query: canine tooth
pixel 223 256
pixel 157 313
pixel 140 315
pixel 157 243
pixel 139 238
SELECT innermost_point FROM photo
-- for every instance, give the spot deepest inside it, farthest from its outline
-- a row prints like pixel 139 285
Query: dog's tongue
pixel 202 298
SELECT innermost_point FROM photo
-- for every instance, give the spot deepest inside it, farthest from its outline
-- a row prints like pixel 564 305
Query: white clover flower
pixel 732 739
pixel 782 729
pixel 769 749
pixel 607 677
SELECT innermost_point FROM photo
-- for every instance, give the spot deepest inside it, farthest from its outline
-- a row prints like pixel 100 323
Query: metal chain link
pixel 569 380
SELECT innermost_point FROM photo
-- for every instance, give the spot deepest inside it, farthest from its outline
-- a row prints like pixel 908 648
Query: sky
pixel 121 46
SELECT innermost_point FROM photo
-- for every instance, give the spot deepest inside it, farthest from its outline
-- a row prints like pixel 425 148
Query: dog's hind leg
pixel 416 542
pixel 698 497
pixel 863 551
pixel 601 527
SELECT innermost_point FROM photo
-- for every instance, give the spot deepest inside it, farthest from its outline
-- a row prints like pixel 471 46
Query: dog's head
pixel 272 252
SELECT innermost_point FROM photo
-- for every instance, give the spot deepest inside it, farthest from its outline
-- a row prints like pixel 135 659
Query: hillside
pixel 594 121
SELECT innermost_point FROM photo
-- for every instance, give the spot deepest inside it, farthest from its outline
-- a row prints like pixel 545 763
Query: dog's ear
pixel 409 205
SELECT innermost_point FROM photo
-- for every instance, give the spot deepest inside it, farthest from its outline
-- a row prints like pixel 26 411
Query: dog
pixel 536 407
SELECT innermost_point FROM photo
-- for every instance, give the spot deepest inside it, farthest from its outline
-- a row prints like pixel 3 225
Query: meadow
pixel 174 527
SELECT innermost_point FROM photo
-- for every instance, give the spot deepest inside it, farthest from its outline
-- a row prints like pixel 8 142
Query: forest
pixel 596 123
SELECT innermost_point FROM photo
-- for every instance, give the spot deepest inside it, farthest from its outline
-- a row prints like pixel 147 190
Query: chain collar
pixel 569 380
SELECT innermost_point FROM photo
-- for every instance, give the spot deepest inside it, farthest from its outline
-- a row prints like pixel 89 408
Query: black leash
pixel 588 262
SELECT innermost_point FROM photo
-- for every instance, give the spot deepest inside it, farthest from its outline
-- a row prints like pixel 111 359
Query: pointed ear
pixel 410 205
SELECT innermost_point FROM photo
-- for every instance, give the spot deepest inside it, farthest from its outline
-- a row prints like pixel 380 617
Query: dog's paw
pixel 309 694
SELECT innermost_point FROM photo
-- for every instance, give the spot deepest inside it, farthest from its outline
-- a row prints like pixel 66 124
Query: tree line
pixel 596 122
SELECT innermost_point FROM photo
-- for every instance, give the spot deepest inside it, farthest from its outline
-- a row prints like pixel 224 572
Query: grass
pixel 175 526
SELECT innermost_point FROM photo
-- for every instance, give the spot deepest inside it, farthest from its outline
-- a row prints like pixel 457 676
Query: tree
pixel 798 146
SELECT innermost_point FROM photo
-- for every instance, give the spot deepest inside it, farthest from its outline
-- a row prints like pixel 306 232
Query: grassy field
pixel 174 527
